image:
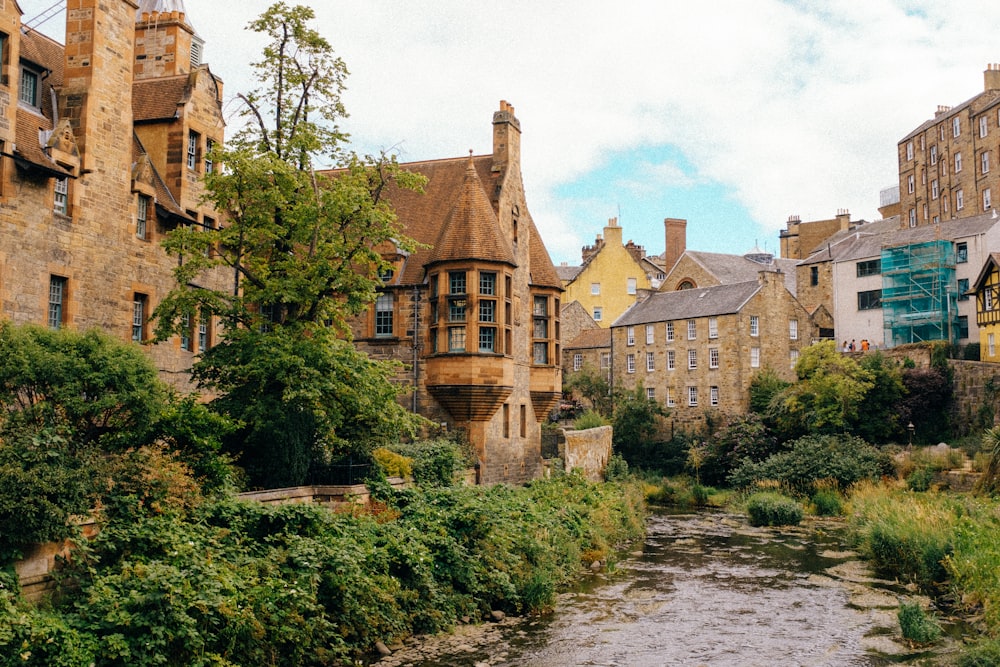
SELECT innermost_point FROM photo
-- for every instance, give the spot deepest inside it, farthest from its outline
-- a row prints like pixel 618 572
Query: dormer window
pixel 28 92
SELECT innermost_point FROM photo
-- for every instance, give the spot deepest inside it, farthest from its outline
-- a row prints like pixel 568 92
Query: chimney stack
pixel 676 241
pixel 991 77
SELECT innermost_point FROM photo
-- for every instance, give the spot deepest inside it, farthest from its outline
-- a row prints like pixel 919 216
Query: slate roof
pixel 729 269
pixel 866 241
pixel 590 339
pixel 568 273
pixel 423 216
pixel 690 304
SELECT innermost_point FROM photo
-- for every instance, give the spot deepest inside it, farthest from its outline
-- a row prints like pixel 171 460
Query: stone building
pixel 475 314
pixel 696 350
pixel 799 239
pixel 102 148
pixel 948 166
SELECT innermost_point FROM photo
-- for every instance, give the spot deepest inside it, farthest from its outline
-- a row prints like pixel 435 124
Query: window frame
pixel 754 357
pixel 630 363
pixel 713 357
pixel 870 299
pixel 650 362
pixel 60 195
pixel 58 289
pixel 692 359
pixel 191 152
pixel 140 309
pixel 32 75
pixel 142 216
pixel 755 326
pixel 384 324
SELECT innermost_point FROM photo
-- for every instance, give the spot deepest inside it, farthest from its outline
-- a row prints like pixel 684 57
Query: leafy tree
pixel 302 248
pixel 592 386
pixel 743 438
pixel 637 424
pixel 927 402
pixel 828 396
pixel 878 417
pixel 764 386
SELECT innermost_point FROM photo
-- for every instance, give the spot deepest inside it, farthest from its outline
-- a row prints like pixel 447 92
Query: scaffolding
pixel 919 293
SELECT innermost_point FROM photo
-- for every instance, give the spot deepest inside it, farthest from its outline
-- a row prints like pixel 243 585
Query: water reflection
pixel 704 589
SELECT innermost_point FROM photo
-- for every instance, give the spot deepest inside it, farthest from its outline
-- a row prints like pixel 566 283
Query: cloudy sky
pixel 732 114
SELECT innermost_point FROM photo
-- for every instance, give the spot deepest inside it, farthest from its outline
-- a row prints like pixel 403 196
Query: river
pixel 704 589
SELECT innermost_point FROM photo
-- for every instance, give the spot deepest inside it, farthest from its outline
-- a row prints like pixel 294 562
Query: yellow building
pixel 987 289
pixel 607 282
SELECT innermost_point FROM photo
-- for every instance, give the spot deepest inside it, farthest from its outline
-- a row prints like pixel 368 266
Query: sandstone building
pixel 475 314
pixel 102 147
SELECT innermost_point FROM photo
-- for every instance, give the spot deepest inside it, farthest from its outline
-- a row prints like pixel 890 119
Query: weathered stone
pixel 382 649
pixel 496 615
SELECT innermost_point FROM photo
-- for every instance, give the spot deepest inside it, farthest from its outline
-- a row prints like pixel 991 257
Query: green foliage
pixel 42 485
pixel 591 385
pixel 989 482
pixel 877 419
pixel 238 583
pixel 764 386
pixel 393 464
pixel 827 502
pixel 773 509
pixel 589 419
pixel 843 459
pixel 88 386
pixel 739 439
pixel 920 479
pixel 916 625
pixel 436 462
pixel 637 423
pixel 983 653
pixel 927 403
pixel 616 469
pixel 974 562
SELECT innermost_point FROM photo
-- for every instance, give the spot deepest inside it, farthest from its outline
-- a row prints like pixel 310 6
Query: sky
pixel 731 114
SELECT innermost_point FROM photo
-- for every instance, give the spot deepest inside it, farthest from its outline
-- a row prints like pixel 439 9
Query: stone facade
pixel 474 315
pixel 587 451
pixel 697 350
pixel 949 167
pixel 800 239
pixel 85 201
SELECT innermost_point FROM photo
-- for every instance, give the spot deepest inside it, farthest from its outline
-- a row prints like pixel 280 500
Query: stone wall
pixel 976 385
pixel 587 451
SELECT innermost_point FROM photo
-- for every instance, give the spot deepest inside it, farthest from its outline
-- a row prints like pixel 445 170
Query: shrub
pixel 844 459
pixel 616 470
pixel 920 479
pixel 393 464
pixel 985 653
pixel 916 625
pixel 773 509
pixel 827 502
pixel 589 419
pixel 744 438
pixel 436 462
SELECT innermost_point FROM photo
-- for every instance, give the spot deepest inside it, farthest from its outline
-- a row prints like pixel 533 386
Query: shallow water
pixel 703 589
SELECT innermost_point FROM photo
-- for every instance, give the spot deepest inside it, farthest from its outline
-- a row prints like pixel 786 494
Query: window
pixel 670 332
pixel 988 299
pixel 961 253
pixel 540 353
pixel 814 275
pixel 605 361
pixel 958 162
pixel 630 336
pixel 139 309
pixel 186 332
pixel 456 310
pixel 959 200
pixel 456 282
pixel 793 358
pixel 913 217
pixel 61 199
pixel 870 300
pixel 540 328
pixel 871 267
pixel 909 150
pixel 963 289
pixel 935 191
pixel 28 92
pixel 650 362
pixel 713 357
pixel 754 357
pixel 630 363
pixel 192 150
pixel 577 361
pixel 956 126
pixel 651 393
pixel 692 397
pixel 209 164
pixel 204 332
pixel 487 339
pixel 983 127
pixel 630 285
pixel 793 329
pixel 649 334
pixel 670 398
pixel 692 359
pixel 933 155
pixel 713 327
pixel 910 184
pixel 754 325
pixel 456 339
pixel 488 310
pixel 141 216
pixel 713 395
pixel 692 330
pixel 984 159
pixel 671 360
pixel 57 302
pixel 488 284
pixel 383 315
pixel 595 288
pixel 963 326
pixel 987 200
pixel 991 345
pixel 598 313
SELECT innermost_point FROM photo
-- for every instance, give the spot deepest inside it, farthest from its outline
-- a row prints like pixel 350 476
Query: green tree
pixel 828 396
pixel 637 428
pixel 592 386
pixel 878 418
pixel 302 247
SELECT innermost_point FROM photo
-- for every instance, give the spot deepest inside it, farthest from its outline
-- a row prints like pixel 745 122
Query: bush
pixel 393 464
pixel 916 625
pixel 985 653
pixel 589 419
pixel 843 459
pixel 616 470
pixel 827 502
pixel 920 479
pixel 436 462
pixel 773 509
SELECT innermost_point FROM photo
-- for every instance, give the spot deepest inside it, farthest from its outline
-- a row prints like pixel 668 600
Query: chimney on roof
pixel 991 77
pixel 676 241
pixel 613 233
pixel 506 138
